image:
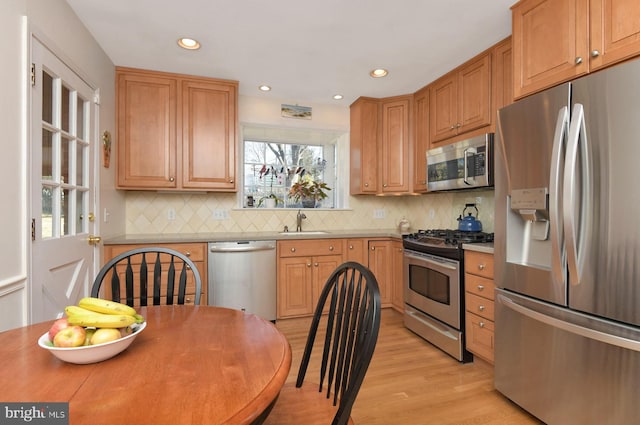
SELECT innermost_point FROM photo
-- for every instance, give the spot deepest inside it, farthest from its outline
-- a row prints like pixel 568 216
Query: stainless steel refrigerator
pixel 567 250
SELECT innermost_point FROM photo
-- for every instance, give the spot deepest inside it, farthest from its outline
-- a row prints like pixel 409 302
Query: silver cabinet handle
pixel 481 324
pixel 595 53
pixel 315 264
pixel 293 250
pixel 481 266
pixel 331 248
pixel 480 287
pixel 578 60
pixel 308 264
pixel 481 308
pixel 172 179
pixel 366 185
pixel 350 246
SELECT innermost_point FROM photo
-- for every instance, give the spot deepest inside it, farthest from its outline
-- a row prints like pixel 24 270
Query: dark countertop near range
pixel 248 236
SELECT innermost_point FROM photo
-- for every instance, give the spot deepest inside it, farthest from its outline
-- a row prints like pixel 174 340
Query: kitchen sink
pixel 304 232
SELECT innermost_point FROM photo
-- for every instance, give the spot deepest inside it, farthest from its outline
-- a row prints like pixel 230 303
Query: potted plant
pixel 308 191
pixel 269 201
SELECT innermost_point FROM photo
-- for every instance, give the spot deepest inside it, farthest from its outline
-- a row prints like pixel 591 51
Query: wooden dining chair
pixel 347 333
pixel 130 273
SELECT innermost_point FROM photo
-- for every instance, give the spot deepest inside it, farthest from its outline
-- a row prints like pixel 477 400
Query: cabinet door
pixel 420 139
pixel 397 275
pixel 502 75
pixel 550 43
pixel 208 135
pixel 364 146
pixel 443 111
pixel 615 31
pixel 474 95
pixel 295 287
pixel 322 267
pixel 356 250
pixel 395 144
pixel 381 265
pixel 146 120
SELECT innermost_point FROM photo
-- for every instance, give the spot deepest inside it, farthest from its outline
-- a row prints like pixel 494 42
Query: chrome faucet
pixel 301 216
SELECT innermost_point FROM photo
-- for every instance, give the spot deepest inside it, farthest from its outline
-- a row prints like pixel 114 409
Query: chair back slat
pixel 351 324
pixel 144 287
pixel 171 280
pixel 137 286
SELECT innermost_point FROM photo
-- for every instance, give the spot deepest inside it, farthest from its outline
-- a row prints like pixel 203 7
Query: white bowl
pixel 91 353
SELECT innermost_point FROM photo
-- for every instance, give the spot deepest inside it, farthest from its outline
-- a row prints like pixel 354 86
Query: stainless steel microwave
pixel 467 164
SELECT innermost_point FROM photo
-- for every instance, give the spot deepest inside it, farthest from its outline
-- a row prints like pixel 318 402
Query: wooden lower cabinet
pixel 197 252
pixel 479 304
pixel 305 265
pixel 302 270
pixel 385 261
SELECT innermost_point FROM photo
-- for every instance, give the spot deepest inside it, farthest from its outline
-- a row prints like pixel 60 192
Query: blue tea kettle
pixel 469 223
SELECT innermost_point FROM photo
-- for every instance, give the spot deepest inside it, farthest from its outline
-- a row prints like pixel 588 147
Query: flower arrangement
pixel 308 189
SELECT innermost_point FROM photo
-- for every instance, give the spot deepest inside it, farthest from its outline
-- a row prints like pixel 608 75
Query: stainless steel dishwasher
pixel 242 275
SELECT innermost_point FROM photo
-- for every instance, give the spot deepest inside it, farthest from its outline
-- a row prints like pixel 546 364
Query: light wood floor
pixel 410 382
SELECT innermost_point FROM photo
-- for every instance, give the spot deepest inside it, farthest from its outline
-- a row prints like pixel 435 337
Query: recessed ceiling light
pixel 264 87
pixel 337 96
pixel 188 43
pixel 379 72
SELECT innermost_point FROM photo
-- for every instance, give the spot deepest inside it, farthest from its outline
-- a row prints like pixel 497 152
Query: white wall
pixel 61 30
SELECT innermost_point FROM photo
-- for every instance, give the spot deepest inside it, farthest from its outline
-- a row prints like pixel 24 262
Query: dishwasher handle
pixel 241 248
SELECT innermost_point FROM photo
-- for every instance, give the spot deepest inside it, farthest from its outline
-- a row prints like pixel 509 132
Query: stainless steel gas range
pixel 434 287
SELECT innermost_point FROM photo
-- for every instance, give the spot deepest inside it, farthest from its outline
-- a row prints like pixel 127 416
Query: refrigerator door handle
pixel 570 327
pixel 577 194
pixel 559 262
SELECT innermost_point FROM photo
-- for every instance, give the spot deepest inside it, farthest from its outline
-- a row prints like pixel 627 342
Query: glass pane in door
pixel 81 212
pixel 65 206
pixel 47 212
pixel 65 159
pixel 47 98
pixel 47 155
pixel 65 116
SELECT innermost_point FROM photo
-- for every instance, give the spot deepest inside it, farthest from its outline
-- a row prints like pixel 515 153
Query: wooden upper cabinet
pixel 549 43
pixel 557 40
pixel 364 146
pixel 208 135
pixel 420 139
pixel 460 101
pixel 502 74
pixel 175 131
pixel 147 120
pixel 380 145
pixel 615 31
pixel 396 113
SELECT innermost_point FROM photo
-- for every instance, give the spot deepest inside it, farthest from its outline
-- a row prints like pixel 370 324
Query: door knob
pixel 94 240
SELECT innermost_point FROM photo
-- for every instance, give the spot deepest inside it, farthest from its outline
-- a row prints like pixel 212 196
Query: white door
pixel 63 140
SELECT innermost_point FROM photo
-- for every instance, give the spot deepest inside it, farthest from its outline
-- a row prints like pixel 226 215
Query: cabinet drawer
pixel 480 336
pixel 480 286
pixel 480 306
pixel 309 248
pixel 478 263
pixel 195 251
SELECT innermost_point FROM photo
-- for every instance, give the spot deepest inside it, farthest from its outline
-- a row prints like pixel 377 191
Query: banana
pixel 74 310
pixel 139 318
pixel 105 306
pixel 99 320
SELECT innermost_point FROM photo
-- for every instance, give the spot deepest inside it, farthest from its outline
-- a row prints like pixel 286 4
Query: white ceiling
pixel 307 51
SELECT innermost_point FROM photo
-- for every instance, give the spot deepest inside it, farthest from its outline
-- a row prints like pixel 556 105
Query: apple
pixel 57 326
pixel 125 331
pixel 102 335
pixel 71 336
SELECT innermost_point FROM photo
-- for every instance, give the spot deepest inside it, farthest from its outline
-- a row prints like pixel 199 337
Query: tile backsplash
pixel 171 213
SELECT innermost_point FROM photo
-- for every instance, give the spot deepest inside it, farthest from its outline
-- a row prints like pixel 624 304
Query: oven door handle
pixel 432 262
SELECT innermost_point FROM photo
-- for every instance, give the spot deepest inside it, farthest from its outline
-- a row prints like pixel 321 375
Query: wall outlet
pixel 220 214
pixel 378 214
pixel 478 200
pixel 171 214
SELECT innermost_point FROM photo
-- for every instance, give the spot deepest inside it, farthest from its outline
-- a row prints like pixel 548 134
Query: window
pixel 272 168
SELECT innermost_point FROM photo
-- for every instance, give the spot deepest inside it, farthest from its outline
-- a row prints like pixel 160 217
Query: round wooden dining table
pixel 190 365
